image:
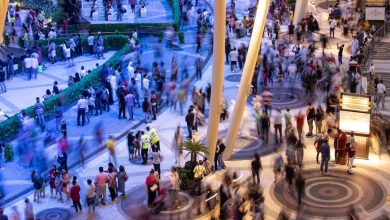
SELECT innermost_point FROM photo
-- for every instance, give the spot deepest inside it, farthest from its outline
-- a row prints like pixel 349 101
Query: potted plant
pixel 194 149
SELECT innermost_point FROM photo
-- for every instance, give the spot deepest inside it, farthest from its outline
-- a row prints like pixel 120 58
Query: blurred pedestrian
pixel 152 186
pixel 28 210
pixel 256 168
pixel 199 172
pixel 351 149
pixel 156 156
pixel 2 215
pixel 111 149
pixel 277 166
pixel 300 185
pixel 131 145
pixel 122 178
pixel 39 111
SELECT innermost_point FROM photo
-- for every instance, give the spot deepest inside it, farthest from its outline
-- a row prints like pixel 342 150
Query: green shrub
pixel 11 126
pixel 152 28
pixel 181 37
pixel 8 153
pixel 175 13
pixel 185 176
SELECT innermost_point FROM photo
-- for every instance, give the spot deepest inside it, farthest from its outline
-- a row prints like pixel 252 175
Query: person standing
pixel 311 115
pixel 36 184
pixel 75 196
pixel 340 53
pixel 2 216
pixel 90 196
pixel 147 109
pixel 278 125
pixel 145 139
pixel 131 145
pixel 3 88
pixel 154 139
pixel 178 144
pixel 190 119
pixel 319 117
pixel 122 178
pixel 300 184
pixel 228 48
pixel 156 159
pixel 332 27
pixel 351 149
pixel 265 125
pixel 381 94
pixel 130 103
pixel 82 106
pixel 39 111
pixel 256 168
pixel 100 181
pixel 112 184
pixel 325 155
pixel 199 172
pixel 111 149
pixel 198 67
pixel 53 173
pixel 152 186
pixel 233 59
pixel 218 160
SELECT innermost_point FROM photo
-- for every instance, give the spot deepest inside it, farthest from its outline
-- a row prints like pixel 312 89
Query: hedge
pixel 11 126
pixel 111 42
pixel 175 13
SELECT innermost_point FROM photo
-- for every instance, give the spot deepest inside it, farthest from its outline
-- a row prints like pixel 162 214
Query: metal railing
pixel 376 39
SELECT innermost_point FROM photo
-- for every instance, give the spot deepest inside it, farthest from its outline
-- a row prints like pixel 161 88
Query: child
pixel 42 190
pixel 75 195
pixel 83 72
pixel 58 185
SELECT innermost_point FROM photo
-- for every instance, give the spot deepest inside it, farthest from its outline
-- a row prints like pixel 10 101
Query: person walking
pixel 75 196
pixel 122 178
pixel 351 150
pixel 100 181
pixel 256 169
pixel 278 118
pixel 28 210
pixel 340 53
pixel 265 125
pixel 325 155
pixel 111 149
pixel 154 139
pixel 199 172
pixel 145 139
pixel 332 27
pixel 198 67
pixel 300 184
pixel 39 111
pixel 299 146
pixel 300 118
pixel 82 106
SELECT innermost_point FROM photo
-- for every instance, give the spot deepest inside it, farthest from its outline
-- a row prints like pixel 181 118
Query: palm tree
pixel 195 148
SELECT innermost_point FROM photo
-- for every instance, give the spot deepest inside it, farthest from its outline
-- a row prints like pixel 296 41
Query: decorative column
pixel 300 10
pixel 3 14
pixel 218 76
pixel 250 62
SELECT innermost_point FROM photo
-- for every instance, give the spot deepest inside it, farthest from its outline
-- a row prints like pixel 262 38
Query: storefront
pixel 355 115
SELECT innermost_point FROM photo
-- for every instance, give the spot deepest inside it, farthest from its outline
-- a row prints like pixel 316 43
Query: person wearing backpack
pixel 122 178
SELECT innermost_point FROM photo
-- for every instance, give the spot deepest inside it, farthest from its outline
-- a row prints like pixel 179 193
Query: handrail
pixel 375 39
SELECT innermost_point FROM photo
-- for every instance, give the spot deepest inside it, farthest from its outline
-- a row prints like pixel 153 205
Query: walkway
pixel 16 172
pixel 157 11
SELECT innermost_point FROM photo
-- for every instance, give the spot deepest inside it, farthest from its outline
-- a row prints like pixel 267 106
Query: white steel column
pixel 300 10
pixel 218 76
pixel 243 91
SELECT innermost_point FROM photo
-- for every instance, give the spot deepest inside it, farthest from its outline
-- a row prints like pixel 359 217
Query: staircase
pixel 86 10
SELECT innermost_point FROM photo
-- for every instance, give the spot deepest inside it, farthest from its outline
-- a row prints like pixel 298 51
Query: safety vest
pixel 145 141
pixel 153 136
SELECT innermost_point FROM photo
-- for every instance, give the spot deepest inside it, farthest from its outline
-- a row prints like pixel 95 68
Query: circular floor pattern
pixel 135 205
pixel 285 97
pixel 233 78
pixel 54 214
pixel 332 195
